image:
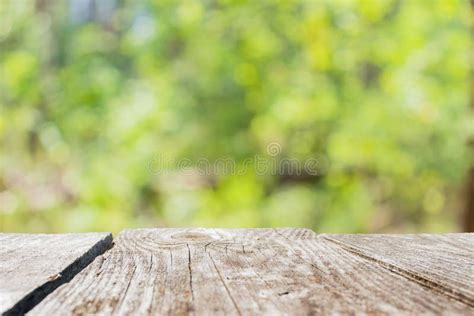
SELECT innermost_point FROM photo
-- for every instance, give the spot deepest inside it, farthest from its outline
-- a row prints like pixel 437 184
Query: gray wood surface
pixel 442 262
pixel 251 271
pixel 33 265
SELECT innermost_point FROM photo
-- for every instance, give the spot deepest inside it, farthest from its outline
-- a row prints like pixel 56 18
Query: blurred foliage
pixel 92 91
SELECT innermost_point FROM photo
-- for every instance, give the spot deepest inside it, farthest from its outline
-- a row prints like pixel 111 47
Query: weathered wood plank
pixel 442 262
pixel 239 271
pixel 33 265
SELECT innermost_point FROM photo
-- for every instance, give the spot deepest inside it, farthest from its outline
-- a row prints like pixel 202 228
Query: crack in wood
pixel 190 272
pixel 436 286
pixel 225 286
pixel 127 287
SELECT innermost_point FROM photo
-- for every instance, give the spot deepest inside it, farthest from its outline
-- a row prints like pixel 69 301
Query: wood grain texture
pixel 239 271
pixel 33 265
pixel 442 262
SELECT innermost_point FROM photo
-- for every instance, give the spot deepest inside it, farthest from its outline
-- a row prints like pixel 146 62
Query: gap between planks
pixel 27 265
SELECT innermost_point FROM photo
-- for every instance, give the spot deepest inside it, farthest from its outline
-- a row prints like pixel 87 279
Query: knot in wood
pixel 190 236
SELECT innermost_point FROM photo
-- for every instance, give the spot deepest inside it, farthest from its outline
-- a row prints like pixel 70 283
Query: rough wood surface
pixel 442 262
pixel 32 266
pixel 241 271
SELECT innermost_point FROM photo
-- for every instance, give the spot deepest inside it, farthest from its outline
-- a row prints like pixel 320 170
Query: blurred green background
pixel 92 91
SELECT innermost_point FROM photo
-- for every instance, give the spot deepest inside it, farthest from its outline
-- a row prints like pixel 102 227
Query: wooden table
pixel 236 271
